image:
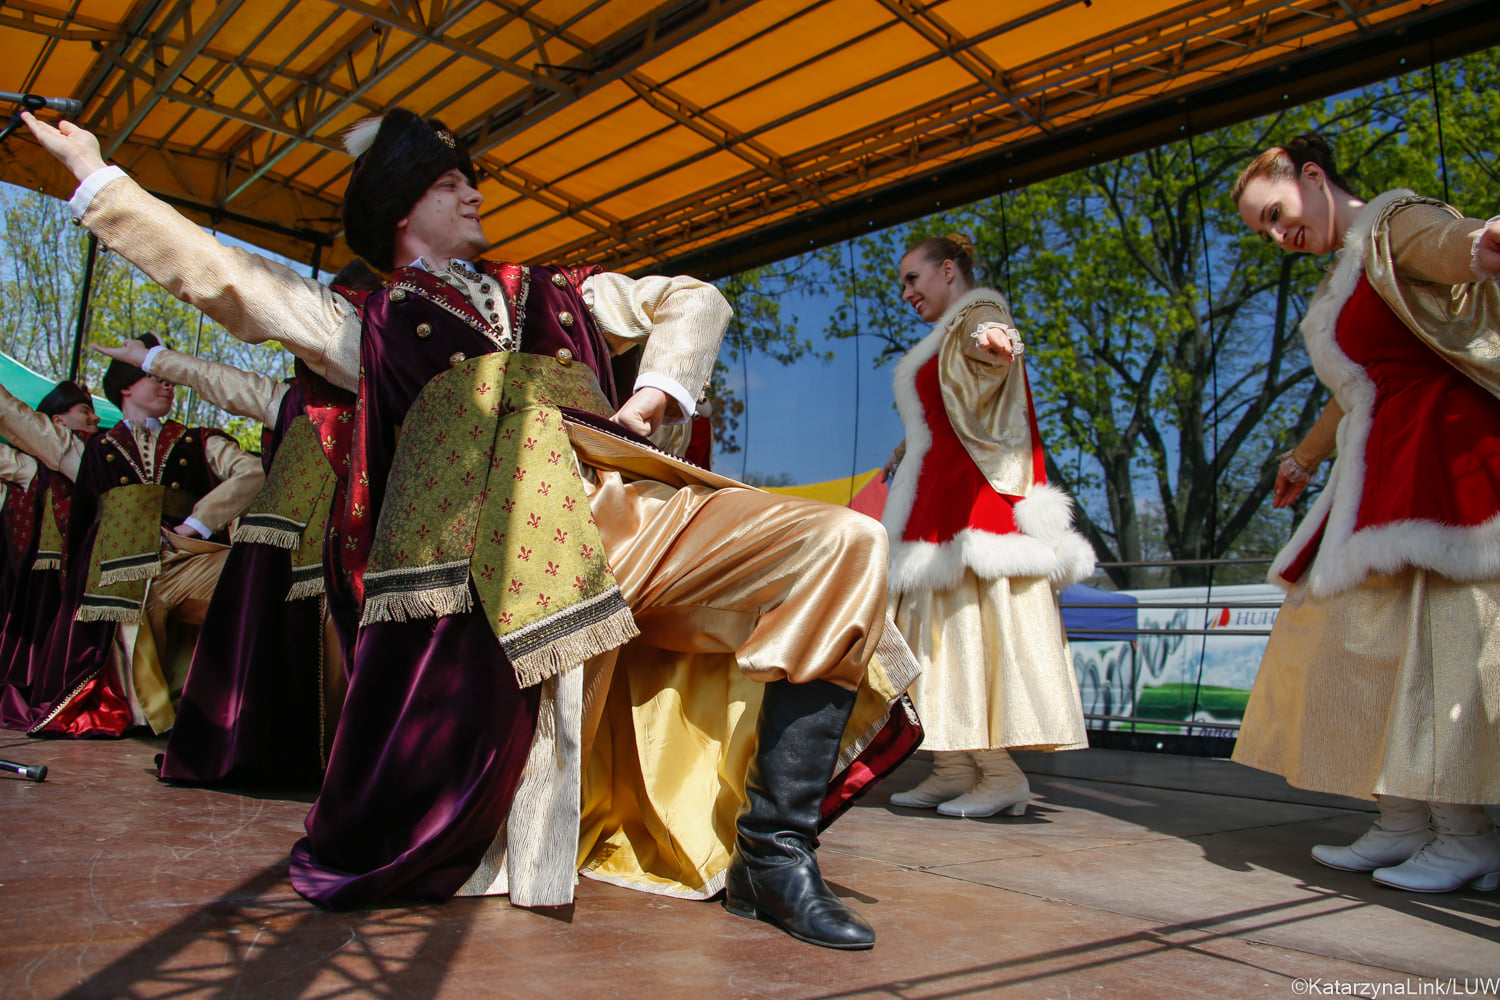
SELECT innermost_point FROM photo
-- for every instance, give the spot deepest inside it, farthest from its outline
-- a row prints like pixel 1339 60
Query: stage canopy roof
pixel 696 135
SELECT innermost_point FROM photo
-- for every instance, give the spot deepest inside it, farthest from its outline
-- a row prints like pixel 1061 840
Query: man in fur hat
pixel 149 497
pixel 510 533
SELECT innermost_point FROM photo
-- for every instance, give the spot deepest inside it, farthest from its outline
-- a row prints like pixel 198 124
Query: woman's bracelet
pixel 1293 470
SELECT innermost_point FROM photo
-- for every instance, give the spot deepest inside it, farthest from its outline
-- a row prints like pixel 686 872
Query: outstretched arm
pixel 256 299
pixel 242 393
pixel 55 447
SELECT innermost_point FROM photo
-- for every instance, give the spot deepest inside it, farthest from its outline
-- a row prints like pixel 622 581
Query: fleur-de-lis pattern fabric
pixel 485 489
pixel 125 557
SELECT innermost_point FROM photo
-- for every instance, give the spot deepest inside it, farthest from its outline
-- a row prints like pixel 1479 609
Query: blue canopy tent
pixel 29 387
pixel 1084 618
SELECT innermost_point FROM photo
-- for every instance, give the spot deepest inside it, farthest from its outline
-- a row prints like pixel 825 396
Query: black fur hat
pixel 119 376
pixel 397 158
pixel 63 397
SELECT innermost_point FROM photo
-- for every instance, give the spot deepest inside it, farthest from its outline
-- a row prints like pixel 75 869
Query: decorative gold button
pixel 565 318
pixel 182 461
pixel 176 486
pixel 560 280
pixel 398 295
pixel 109 458
pixel 564 356
pixel 124 480
pixel 457 358
pixel 489 303
pixel 485 288
pixel 424 330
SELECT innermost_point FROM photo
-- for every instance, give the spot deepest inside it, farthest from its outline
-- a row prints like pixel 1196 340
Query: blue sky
pixel 803 419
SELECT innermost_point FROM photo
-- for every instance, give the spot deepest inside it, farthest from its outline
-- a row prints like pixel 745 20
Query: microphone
pixel 65 106
pixel 37 772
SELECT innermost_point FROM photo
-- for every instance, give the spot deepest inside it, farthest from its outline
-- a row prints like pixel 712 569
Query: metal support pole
pixel 84 307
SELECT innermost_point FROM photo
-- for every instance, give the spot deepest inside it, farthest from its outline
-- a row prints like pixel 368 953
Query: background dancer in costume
pixel 458 759
pixel 36 523
pixel 150 495
pixel 1382 672
pixel 266 682
pixel 980 545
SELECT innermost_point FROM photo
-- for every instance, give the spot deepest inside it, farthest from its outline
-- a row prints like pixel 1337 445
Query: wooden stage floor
pixel 1132 875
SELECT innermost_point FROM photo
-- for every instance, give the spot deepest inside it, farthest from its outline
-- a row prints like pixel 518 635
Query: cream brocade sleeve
pixel 16 468
pixel 680 319
pixel 985 401
pixel 254 298
pixel 55 447
pixel 1429 244
pixel 231 389
pixel 241 475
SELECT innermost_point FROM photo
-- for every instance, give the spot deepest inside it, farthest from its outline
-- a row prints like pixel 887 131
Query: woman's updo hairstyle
pixel 1280 163
pixel 956 247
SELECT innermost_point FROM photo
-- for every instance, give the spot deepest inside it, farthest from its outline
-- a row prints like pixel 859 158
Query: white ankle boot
pixel 1466 851
pixel 953 774
pixel 1401 831
pixel 1001 788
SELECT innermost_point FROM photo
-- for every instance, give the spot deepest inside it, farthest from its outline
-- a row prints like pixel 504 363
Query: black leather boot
pixel 774 875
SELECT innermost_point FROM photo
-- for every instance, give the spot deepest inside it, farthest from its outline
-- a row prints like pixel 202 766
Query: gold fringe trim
pixel 107 613
pixel 409 605
pixel 306 588
pixel 259 534
pixel 568 651
pixel 47 561
pixel 129 574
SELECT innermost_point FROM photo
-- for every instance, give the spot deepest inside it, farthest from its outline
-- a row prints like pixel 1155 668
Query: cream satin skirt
pixel 1392 688
pixel 996 668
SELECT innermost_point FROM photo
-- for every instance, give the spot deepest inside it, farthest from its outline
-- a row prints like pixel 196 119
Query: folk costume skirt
pixel 996 668
pixel 1389 688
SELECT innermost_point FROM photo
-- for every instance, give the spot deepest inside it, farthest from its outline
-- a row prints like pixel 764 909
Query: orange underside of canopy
pixel 623 132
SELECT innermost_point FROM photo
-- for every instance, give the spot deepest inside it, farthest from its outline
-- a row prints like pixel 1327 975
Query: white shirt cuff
pixel 151 355
pixel 198 526
pixel 672 388
pixel 92 185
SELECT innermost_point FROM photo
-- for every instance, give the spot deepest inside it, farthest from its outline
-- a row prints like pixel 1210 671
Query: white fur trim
pixel 1479 271
pixel 1345 556
pixel 360 136
pixel 1047 546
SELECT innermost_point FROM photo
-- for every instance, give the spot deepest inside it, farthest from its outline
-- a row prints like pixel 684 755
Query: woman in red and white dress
pixel 1382 674
pixel 980 545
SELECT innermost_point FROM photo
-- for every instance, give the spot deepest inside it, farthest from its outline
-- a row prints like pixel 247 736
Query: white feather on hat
pixel 361 135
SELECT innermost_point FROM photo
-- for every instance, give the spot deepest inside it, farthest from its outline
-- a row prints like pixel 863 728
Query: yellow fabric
pixel 839 491
pixel 162 651
pixel 986 403
pixel 996 668
pixel 1391 688
pixel 698 567
pixel 1460 321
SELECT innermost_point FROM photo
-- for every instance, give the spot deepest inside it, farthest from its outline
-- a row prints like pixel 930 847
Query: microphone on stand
pixel 65 106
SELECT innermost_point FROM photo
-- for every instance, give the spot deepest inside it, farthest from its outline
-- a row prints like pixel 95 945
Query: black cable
pixel 854 454
pixel 1437 108
pixel 1213 509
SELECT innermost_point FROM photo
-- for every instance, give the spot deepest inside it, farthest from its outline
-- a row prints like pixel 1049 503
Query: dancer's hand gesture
pixel 74 147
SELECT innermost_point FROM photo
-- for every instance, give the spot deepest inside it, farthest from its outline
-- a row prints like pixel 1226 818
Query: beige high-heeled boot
pixel 953 774
pixel 1002 787
pixel 1466 851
